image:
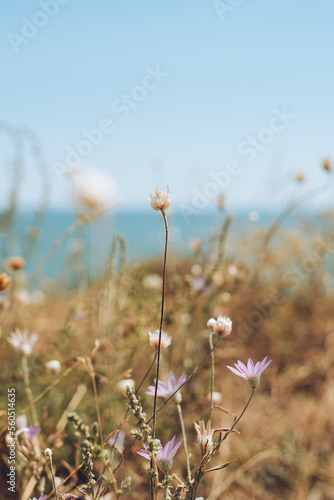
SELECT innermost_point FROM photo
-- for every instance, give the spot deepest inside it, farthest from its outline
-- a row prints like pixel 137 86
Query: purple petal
pixel 176 447
pixel 182 378
pixel 169 446
pixel 171 382
pixel 257 370
pixel 236 372
pixel 145 453
pixel 241 367
pixel 250 366
pixel 264 366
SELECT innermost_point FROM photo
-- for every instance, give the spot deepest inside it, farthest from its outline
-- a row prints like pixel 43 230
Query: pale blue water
pixel 85 253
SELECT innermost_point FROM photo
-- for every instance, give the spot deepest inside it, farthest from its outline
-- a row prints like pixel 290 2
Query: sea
pixel 84 253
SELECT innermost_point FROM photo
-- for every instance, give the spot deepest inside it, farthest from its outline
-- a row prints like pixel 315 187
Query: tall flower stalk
pixel 160 200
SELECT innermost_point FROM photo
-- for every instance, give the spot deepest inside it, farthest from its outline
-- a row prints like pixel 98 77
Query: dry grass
pixel 285 446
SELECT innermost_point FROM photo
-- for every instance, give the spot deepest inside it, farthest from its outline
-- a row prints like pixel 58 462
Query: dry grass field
pixel 280 300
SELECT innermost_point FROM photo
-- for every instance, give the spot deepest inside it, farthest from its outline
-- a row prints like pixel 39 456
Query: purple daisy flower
pixel 164 457
pixel 31 431
pixel 251 372
pixel 165 391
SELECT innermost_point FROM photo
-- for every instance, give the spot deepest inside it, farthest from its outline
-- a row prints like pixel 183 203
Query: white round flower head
pixel 221 326
pixel 94 189
pixel 53 366
pixel 165 339
pixel 160 199
pixel 124 383
pixel 48 452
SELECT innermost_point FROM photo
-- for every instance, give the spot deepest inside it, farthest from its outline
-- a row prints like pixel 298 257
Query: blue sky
pixel 222 71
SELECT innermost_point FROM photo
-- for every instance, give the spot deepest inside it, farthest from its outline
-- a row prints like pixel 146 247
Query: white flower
pixel 23 342
pixel 160 199
pixel 221 326
pixel 204 434
pixel 152 281
pixel 53 366
pixel 216 397
pixel 154 339
pixel 93 189
pixel 124 383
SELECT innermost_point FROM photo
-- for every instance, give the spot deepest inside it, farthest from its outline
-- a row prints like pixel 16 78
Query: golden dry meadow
pixel 76 359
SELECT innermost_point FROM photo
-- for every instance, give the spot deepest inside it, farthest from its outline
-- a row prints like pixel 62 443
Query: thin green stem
pixel 53 477
pixel 193 373
pixel 184 435
pixel 212 381
pixel 160 327
pixel 26 379
pixel 160 333
pixel 234 424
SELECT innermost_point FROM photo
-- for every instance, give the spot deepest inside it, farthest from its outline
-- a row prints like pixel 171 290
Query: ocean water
pixel 83 255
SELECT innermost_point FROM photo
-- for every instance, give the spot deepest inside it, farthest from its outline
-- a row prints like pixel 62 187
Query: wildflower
pixel 300 177
pixel 195 245
pixel 42 497
pixel 152 282
pixel 93 189
pixel 253 216
pixel 221 201
pixel 165 391
pixel 22 296
pixel 160 199
pixel 124 383
pixel 4 281
pixel 48 452
pixel 53 366
pixel 164 457
pixel 117 441
pixel 23 342
pixel 221 326
pixel 216 397
pixel 31 431
pixel 165 339
pixel 28 432
pixel 21 422
pixel 251 373
pixel 326 164
pixel 204 433
pixel 15 263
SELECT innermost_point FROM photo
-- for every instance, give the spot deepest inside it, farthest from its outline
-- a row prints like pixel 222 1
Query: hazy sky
pixel 203 96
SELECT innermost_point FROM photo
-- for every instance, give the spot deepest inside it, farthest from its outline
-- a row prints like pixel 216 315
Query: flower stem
pixel 234 424
pixel 212 374
pixel 193 373
pixel 184 435
pixel 53 477
pixel 26 379
pixel 159 345
pixel 160 327
pixel 156 478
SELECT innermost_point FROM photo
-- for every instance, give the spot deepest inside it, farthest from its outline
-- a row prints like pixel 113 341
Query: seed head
pixel 221 326
pixel 16 263
pixel 165 339
pixel 4 281
pixel 160 199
